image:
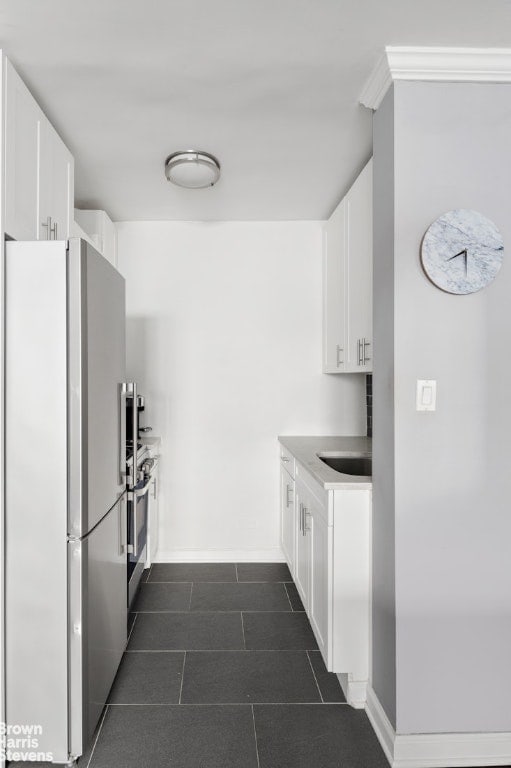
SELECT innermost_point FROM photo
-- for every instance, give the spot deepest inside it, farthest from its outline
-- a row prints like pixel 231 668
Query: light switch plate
pixel 426 395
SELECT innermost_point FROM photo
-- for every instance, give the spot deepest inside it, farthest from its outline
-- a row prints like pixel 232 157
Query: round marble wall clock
pixel 462 251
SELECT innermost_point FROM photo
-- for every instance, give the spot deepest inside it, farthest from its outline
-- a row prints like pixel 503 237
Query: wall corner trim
pixel 454 65
pixel 436 750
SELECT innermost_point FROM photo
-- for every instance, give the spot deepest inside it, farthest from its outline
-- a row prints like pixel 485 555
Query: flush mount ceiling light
pixel 192 169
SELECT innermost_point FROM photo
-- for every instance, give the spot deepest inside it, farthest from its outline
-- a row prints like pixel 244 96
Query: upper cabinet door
pixel 334 291
pixel 56 185
pixel 22 120
pixel 359 213
pixel 348 281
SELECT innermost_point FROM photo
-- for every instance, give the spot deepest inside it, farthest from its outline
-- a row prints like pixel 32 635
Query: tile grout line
pixel 243 632
pixel 220 650
pixel 315 678
pixel 217 610
pixel 255 735
pixel 230 581
pixel 240 704
pixel 288 598
pixel 97 736
pixel 182 678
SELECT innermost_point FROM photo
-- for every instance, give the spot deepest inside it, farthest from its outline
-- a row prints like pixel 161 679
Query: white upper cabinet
pixel 56 185
pixel 334 290
pixel 100 231
pixel 39 169
pixel 22 119
pixel 347 281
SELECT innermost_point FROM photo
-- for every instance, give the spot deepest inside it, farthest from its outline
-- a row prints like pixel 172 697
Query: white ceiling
pixel 269 86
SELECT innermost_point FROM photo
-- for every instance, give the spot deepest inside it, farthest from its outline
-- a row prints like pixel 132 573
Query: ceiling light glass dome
pixel 192 169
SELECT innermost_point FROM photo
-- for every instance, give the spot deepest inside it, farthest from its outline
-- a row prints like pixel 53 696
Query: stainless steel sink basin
pixel 361 466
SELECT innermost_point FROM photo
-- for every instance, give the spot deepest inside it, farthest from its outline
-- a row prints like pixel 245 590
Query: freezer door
pixel 97 369
pixel 98 618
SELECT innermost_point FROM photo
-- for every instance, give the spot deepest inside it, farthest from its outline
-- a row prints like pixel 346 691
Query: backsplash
pixel 369 404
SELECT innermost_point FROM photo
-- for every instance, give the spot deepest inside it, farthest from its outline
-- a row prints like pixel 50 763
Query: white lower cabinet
pixel 320 546
pixel 302 548
pixel 287 509
pixel 313 543
pixel 332 571
pixel 152 519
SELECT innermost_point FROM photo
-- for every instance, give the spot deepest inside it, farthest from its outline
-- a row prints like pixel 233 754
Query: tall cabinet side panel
pixel 36 491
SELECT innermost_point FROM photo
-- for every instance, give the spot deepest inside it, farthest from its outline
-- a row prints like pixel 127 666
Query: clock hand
pixel 461 253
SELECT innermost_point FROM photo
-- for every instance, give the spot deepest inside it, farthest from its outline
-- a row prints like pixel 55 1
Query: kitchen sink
pixel 349 465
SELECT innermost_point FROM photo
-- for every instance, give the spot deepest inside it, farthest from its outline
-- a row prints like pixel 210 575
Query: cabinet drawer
pixel 287 461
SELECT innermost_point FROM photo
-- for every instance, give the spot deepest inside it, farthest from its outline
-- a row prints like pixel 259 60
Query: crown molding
pixel 453 65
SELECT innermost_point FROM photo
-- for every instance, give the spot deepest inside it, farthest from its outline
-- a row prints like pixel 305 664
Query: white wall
pixel 224 336
pixel 451 468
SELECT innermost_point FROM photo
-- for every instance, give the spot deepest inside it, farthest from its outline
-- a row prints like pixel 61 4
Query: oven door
pixel 137 536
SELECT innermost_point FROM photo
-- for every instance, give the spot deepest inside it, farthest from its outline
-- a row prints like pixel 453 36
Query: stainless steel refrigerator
pixel 65 506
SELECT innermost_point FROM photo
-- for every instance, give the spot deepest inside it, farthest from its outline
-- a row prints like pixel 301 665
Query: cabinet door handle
pixel 304 528
pixel 306 514
pixel 366 357
pixel 284 459
pixel 288 491
pixel 301 510
pixel 48 226
pixel 339 350
pixel 359 352
pixel 53 231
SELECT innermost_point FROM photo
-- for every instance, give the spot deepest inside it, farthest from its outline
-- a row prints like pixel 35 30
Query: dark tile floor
pixel 222 671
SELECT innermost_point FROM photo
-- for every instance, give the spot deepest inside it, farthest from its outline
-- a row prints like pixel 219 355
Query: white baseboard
pixel 436 750
pixel 381 724
pixel 220 556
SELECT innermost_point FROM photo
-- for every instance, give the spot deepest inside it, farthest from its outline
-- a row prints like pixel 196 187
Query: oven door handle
pixel 131 391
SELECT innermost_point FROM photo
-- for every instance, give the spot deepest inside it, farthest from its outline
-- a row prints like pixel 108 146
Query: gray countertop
pixel 306 448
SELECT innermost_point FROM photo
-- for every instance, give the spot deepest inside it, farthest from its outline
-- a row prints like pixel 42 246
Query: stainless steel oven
pixel 139 478
pixel 137 534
